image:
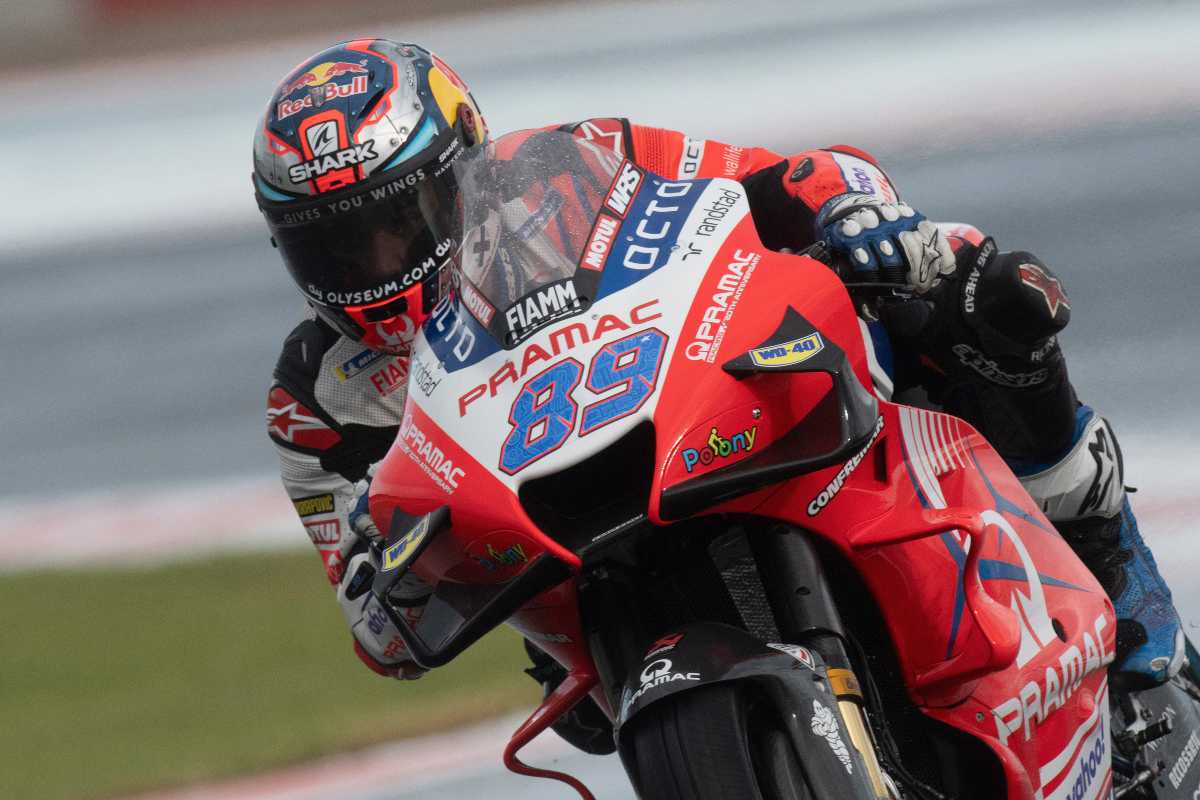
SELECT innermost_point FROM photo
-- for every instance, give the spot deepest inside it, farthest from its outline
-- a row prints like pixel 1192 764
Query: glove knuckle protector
pixel 882 240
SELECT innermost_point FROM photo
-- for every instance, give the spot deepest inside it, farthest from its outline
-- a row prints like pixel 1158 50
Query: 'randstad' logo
pixel 719 447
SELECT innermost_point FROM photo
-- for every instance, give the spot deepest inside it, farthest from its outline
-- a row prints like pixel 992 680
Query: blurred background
pixel 164 622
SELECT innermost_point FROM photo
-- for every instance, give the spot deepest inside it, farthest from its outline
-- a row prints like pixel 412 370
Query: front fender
pixel 794 678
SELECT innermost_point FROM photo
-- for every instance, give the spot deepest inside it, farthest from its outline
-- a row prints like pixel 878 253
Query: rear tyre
pixel 715 743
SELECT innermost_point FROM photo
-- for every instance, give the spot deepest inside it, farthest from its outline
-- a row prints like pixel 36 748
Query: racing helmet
pixel 353 173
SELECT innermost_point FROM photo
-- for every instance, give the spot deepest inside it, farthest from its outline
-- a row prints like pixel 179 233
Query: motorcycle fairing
pixel 653 301
pixel 726 296
pixel 1042 708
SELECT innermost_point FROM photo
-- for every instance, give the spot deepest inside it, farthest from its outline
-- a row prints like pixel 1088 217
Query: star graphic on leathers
pixel 929 256
pixel 1051 288
pixel 289 419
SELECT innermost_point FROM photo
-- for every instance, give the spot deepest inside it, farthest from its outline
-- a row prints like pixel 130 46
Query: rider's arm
pixel 321 461
pixel 785 192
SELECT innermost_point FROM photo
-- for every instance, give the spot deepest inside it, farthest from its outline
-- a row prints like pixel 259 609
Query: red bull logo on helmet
pixel 321 74
pixel 318 80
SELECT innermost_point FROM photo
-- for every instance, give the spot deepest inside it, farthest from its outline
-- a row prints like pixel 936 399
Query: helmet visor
pixel 370 242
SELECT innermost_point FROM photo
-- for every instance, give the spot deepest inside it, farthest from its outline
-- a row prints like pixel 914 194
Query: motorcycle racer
pixel 352 173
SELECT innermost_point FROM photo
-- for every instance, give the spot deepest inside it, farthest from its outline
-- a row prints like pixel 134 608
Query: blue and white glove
pixel 377 641
pixel 879 238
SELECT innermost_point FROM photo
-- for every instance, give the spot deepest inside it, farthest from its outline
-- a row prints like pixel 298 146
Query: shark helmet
pixel 353 173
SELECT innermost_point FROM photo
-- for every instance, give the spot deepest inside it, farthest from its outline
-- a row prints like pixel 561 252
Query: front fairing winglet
pixel 857 411
pixel 457 614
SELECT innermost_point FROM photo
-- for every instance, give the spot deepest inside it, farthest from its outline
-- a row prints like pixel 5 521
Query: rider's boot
pixel 1084 495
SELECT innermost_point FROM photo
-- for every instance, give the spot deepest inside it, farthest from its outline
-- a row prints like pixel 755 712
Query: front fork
pixel 805 613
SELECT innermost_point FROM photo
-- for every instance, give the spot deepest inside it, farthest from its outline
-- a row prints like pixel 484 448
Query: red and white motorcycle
pixel 655 449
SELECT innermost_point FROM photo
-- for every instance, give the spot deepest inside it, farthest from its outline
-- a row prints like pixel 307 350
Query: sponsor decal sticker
pixel 350 156
pixel 1051 289
pixel 383 291
pixel 428 456
pixel 477 304
pixel 863 176
pixel 397 554
pixel 1188 757
pixel 424 377
pixel 718 446
pixel 324 532
pixel 1081 770
pixel 288 420
pixel 323 138
pixel 824 724
pixel 647 244
pixel 551 302
pixel 839 480
pixel 801 654
pixel 731 158
pixel 599 243
pixel 986 251
pixel 606 132
pixel 493 558
pixel 1038 699
pixel 624 187
pixel 316 82
pixel 716 212
pixel 992 371
pixel 659 673
pixel 317 504
pixel 664 645
pixel 689 160
pixel 356 364
pixel 320 74
pixel 706 341
pixel 390 377
pixel 395 647
pixel 788 354
pixel 334 566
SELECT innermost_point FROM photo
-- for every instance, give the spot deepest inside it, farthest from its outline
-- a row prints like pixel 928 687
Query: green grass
pixel 117 681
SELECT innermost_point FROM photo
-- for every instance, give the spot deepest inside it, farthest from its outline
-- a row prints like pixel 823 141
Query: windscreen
pixel 530 203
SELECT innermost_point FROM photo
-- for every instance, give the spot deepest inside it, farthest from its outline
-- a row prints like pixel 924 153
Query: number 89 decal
pixel 543 415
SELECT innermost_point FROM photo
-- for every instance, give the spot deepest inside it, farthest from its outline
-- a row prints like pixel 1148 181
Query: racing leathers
pixel 981 338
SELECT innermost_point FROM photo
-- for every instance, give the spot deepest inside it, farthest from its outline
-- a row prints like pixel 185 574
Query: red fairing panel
pixel 1043 706
pixel 1000 630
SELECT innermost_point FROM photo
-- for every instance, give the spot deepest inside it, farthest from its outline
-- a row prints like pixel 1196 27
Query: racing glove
pixel 984 343
pixel 885 241
pixel 377 640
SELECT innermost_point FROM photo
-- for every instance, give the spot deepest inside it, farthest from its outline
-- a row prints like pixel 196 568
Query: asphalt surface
pixel 142 309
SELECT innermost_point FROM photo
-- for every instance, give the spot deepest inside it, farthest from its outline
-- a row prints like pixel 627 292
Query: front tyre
pixel 714 743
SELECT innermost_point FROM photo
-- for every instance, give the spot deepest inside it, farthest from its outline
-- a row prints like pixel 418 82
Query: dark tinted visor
pixel 373 240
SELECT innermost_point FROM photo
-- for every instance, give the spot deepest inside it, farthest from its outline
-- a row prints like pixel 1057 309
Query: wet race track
pixel 139 334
